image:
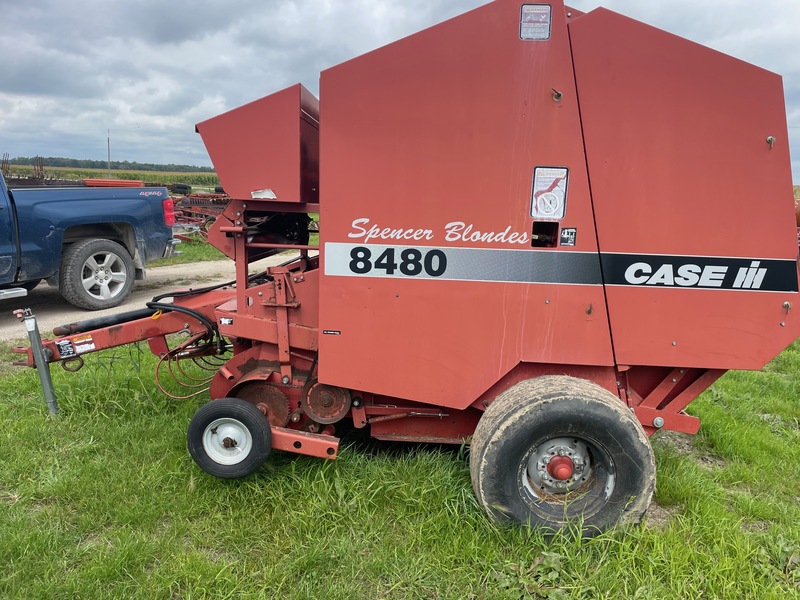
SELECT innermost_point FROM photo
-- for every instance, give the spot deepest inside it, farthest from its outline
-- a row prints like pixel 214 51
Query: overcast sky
pixel 149 70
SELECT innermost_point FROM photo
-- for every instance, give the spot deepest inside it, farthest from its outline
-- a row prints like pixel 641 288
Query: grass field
pixel 194 250
pixel 104 502
pixel 165 177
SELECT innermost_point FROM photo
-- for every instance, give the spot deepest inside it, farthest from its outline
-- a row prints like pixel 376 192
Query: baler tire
pixel 243 424
pixel 75 261
pixel 508 457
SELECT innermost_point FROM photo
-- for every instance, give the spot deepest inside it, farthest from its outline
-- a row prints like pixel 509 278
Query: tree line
pixel 124 165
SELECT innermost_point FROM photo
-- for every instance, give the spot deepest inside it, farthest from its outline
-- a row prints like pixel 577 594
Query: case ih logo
pixel 694 275
pixel 151 193
pixel 708 272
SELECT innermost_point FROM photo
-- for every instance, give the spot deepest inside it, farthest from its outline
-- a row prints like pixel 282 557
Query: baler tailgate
pixel 688 160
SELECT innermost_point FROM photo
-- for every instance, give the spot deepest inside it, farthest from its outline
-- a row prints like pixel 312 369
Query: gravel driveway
pixel 52 310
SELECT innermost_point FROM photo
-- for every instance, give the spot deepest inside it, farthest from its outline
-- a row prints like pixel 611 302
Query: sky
pixel 76 73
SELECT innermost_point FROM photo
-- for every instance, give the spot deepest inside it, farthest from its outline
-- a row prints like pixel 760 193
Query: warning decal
pixel 569 236
pixel 65 349
pixel 549 195
pixel 84 343
pixel 535 22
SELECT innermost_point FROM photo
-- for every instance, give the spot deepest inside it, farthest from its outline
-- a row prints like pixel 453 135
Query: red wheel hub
pixel 560 467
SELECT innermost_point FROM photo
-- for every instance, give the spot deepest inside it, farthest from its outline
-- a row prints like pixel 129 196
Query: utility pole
pixel 108 143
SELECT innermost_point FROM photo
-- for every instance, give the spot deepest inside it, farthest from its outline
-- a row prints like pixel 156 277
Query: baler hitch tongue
pixel 27 317
pixel 102 322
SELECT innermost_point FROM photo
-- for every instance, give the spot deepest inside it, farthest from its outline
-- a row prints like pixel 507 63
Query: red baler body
pixel 671 245
pixel 521 190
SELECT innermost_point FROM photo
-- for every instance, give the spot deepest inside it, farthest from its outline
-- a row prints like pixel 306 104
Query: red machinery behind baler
pixel 541 230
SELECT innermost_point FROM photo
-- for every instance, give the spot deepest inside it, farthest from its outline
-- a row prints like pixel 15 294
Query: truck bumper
pixel 170 250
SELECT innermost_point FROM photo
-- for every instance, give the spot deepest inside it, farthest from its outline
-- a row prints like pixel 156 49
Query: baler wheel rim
pixel 229 438
pixel 227 441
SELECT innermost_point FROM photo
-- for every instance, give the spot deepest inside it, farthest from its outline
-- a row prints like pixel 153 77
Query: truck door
pixel 8 238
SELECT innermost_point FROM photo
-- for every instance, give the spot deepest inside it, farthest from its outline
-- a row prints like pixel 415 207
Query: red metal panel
pixel 676 144
pixel 302 442
pixel 447 126
pixel 269 144
pixel 603 376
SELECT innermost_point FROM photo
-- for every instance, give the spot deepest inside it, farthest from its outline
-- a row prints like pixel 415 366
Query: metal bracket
pixel 13 293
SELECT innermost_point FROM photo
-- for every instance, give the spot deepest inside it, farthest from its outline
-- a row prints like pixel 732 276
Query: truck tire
pixel 602 472
pixel 96 274
pixel 229 438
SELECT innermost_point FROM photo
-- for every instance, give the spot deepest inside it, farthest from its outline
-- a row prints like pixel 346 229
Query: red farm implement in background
pixel 542 233
pixel 196 213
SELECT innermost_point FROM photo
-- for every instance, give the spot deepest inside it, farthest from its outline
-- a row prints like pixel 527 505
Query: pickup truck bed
pixel 90 242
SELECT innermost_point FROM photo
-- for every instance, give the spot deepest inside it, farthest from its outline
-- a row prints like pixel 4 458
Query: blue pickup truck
pixel 90 242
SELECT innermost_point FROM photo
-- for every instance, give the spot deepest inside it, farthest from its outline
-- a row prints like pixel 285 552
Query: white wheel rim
pixel 227 441
pixel 104 275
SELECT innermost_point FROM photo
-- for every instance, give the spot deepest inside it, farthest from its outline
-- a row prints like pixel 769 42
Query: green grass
pixel 192 251
pixel 198 251
pixel 104 502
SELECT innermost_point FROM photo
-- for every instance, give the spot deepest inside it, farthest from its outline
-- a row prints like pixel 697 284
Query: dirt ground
pixel 52 310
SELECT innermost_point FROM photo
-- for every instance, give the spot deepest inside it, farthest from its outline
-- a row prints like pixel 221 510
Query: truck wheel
pixel 96 274
pixel 555 451
pixel 229 438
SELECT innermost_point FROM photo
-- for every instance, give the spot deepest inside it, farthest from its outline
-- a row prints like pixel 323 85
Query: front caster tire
pixel 557 451
pixel 229 438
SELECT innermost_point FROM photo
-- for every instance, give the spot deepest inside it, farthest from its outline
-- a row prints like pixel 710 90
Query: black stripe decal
pixel 461 264
pixel 559 267
pixel 706 272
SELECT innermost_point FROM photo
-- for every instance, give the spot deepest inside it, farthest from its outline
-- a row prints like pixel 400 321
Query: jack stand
pixel 40 357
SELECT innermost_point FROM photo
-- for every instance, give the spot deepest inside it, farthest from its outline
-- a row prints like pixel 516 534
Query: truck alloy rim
pixel 227 441
pixel 104 275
